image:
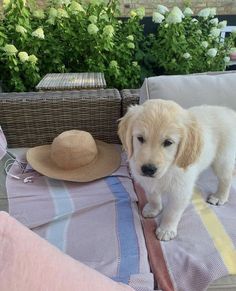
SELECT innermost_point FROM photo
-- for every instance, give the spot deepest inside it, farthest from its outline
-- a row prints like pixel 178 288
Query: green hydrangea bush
pixel 18 64
pixel 68 36
pixel 186 44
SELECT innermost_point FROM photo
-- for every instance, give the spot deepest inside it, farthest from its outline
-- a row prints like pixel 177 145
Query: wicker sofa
pixel 35 118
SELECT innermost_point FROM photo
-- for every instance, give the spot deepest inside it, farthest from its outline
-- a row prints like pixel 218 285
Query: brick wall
pixel 223 6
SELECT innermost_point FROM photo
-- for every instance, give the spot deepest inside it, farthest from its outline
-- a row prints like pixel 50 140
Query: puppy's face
pixel 155 136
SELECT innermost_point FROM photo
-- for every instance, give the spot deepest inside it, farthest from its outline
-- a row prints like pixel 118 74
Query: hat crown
pixel 73 149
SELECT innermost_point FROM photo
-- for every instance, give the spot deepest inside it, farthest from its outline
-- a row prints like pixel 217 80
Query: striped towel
pixel 205 247
pixel 96 223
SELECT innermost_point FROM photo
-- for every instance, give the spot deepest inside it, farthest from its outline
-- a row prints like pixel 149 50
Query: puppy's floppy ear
pixel 190 145
pixel 125 129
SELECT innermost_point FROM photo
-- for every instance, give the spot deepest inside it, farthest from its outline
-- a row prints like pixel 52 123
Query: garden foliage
pixel 90 36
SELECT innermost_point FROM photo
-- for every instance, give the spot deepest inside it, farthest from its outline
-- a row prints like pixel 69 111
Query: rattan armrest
pixel 34 118
pixel 129 97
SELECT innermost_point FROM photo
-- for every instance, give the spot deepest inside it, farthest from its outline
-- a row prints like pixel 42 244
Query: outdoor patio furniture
pixel 72 81
pixel 34 118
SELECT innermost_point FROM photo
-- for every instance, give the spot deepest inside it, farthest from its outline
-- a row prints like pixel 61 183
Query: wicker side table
pixel 71 81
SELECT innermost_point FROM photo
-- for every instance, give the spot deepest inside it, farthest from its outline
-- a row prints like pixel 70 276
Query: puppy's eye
pixel 167 143
pixel 140 139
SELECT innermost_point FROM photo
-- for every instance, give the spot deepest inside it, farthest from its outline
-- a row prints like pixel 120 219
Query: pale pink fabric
pixel 28 262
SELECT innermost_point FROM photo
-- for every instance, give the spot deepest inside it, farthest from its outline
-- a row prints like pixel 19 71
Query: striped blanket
pixel 96 223
pixel 205 247
pixel 99 224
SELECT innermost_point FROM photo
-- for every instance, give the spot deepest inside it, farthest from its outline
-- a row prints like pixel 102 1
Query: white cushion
pixel 218 88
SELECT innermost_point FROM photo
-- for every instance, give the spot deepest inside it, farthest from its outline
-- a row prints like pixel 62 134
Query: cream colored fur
pixel 200 137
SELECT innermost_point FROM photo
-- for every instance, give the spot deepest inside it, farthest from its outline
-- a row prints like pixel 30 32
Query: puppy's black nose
pixel 148 170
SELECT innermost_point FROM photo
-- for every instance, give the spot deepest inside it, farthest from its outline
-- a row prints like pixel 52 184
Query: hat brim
pixel 107 161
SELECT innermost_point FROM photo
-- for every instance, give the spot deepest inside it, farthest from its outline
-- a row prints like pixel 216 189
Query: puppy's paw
pixel 149 211
pixel 165 234
pixel 212 199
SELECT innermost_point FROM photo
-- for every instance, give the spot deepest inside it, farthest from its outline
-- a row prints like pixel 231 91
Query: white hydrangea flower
pixel 6 3
pixel 175 16
pixel 215 32
pixel 39 14
pixel 194 20
pixel 212 12
pixel 212 52
pixel 214 21
pixel 226 59
pixel 186 56
pixel 104 16
pixel 131 45
pixel 205 13
pixel 76 8
pixel 51 20
pixel 162 9
pixel 133 14
pixel 135 64
pixel 61 13
pixel 140 12
pixel 233 50
pixel 52 12
pixel 33 59
pixel 39 33
pixel 108 31
pixel 204 44
pixel 23 56
pixel 157 17
pixel 92 29
pixel 20 29
pixel 113 64
pixel 222 24
pixel 10 49
pixel 93 18
pixel 130 37
pixel 188 11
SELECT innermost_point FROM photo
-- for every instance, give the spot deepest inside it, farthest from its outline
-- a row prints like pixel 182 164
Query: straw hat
pixel 74 155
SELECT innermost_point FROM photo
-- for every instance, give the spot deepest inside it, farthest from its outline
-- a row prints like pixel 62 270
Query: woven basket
pixel 35 118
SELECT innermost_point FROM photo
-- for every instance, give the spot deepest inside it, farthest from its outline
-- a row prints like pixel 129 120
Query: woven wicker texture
pixel 35 118
pixel 72 81
pixel 129 97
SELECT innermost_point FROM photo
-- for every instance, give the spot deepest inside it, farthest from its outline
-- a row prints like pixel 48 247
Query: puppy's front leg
pixel 172 213
pixel 154 205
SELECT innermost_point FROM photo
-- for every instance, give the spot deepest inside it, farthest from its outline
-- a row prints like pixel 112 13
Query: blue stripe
pixel 63 207
pixel 129 248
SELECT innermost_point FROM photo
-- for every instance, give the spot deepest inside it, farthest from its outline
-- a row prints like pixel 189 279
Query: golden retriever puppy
pixel 168 147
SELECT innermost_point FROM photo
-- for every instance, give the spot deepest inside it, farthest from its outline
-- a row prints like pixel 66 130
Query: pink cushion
pixel 28 262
